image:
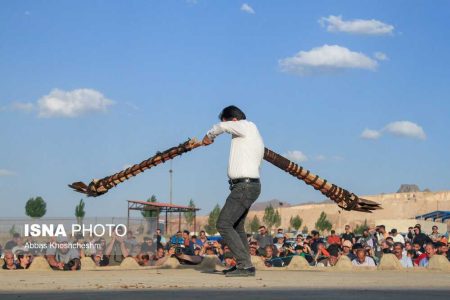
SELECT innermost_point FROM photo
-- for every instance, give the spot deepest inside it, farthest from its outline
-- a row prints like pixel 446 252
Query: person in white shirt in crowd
pixel 362 259
pixel 246 154
pixel 405 261
pixel 397 237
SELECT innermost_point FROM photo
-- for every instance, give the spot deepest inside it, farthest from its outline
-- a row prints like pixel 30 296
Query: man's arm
pixel 232 127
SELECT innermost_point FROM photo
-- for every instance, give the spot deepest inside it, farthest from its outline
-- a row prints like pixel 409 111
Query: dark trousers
pixel 232 219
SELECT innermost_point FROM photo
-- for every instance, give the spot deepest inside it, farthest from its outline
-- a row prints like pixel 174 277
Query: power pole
pixel 170 193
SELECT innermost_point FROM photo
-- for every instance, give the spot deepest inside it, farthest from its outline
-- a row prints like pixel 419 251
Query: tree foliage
pixel 255 224
pixel 150 213
pixel 211 228
pixel 296 222
pixel 79 211
pixel 189 215
pixel 35 207
pixel 323 223
pixel 277 219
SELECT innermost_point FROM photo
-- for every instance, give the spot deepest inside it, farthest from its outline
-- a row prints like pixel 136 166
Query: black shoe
pixel 242 272
pixel 229 270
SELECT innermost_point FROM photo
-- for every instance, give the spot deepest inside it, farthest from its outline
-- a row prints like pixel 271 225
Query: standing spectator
pixel 397 237
pixel 347 250
pixel 420 237
pixel 316 239
pixel 160 240
pixel 9 261
pixel 16 241
pixel 333 238
pixel 405 261
pixel 148 246
pixel 410 235
pixel 188 244
pixel 362 260
pixel 263 238
pixel 348 235
pixel 430 251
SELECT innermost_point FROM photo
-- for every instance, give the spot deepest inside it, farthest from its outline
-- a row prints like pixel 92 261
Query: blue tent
pixel 437 214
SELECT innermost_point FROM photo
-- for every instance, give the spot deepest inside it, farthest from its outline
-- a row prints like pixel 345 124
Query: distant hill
pixel 274 202
pixel 408 188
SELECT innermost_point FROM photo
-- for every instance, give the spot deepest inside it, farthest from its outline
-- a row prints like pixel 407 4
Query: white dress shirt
pixel 247 147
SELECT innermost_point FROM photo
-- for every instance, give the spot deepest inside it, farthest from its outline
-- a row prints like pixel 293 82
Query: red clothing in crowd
pixel 334 239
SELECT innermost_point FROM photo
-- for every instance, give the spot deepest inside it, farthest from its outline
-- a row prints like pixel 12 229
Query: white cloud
pixel 406 129
pixel 22 106
pixel 370 134
pixel 320 157
pixel 357 26
pixel 4 172
pixel 60 103
pixel 380 56
pixel 326 58
pixel 247 8
pixel 398 128
pixel 296 155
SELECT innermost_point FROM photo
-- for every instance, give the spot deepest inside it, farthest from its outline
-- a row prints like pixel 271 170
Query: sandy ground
pixel 189 284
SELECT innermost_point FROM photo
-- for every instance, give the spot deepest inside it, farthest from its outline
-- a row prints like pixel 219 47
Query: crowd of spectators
pixel 414 249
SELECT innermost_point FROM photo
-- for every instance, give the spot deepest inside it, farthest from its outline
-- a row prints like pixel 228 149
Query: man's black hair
pixel 231 112
pixel 186 231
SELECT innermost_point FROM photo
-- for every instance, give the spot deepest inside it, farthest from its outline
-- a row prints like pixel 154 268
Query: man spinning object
pixel 246 154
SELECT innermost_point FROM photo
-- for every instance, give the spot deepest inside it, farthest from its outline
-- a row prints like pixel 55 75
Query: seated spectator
pixel 435 236
pixel 16 241
pixel 263 238
pixel 177 239
pixel 316 239
pixel 397 237
pixel 9 261
pixel 362 260
pixel 253 249
pixel 417 248
pixel 405 261
pixel 188 244
pixel 23 260
pixel 229 260
pixel 298 240
pixel 322 253
pixel 430 251
pixel 100 258
pixel 329 261
pixel 279 232
pixel 160 253
pixel 386 246
pixel 208 249
pixel 333 238
pixel 347 249
pixel 148 245
pixel 202 238
pixel 62 256
pixel 270 260
pixel 366 240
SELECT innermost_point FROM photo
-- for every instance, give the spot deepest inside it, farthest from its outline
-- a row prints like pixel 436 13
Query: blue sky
pixel 355 91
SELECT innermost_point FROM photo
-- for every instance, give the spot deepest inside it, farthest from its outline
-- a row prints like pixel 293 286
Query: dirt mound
pixel 258 263
pixel 171 263
pixel 439 262
pixel 389 262
pixel 87 263
pixel 344 263
pixel 39 264
pixel 129 263
pixel 210 263
pixel 298 263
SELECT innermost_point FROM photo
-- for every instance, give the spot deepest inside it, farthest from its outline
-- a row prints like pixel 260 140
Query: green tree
pixel 323 223
pixel 12 230
pixel 296 222
pixel 189 215
pixel 80 212
pixel 360 228
pixel 276 219
pixel 211 228
pixel 305 230
pixel 150 216
pixel 269 213
pixel 255 224
pixel 150 213
pixel 35 207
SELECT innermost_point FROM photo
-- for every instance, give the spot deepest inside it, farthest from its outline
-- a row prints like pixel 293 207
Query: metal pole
pixel 171 186
pixel 195 222
pixel 179 221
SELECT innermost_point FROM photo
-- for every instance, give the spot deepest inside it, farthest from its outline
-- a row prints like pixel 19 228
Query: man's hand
pixel 207 141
